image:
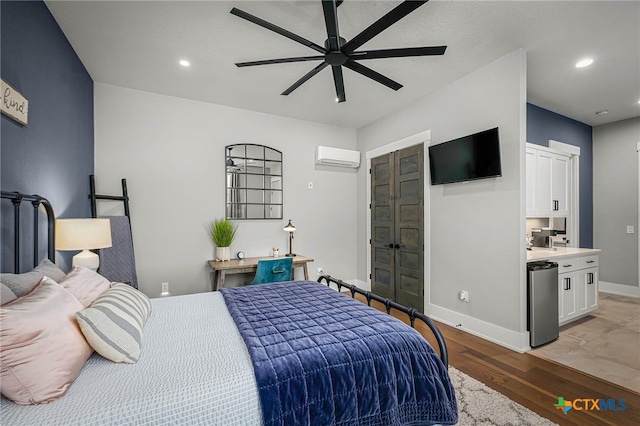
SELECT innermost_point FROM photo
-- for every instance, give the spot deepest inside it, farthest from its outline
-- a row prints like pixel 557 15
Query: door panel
pixel 382 226
pixel 409 230
pixel 397 228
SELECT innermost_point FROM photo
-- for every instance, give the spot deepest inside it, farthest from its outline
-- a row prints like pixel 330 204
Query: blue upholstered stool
pixel 273 270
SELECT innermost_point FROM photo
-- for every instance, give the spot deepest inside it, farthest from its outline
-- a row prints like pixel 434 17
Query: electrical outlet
pixel 310 185
pixel 320 271
pixel 165 287
pixel 464 296
pixel 629 229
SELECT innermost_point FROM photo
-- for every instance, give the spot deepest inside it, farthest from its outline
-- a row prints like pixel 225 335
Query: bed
pixel 277 354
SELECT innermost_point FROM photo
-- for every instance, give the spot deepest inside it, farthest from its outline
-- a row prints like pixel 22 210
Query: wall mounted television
pixel 471 157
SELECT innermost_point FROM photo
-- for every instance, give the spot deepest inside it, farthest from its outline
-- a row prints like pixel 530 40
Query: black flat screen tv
pixel 471 157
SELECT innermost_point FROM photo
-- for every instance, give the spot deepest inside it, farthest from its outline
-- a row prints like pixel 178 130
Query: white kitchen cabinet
pixel 591 285
pixel 548 182
pixel 577 287
pixel 567 300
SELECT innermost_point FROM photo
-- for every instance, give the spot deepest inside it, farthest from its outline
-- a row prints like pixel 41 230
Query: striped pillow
pixel 113 324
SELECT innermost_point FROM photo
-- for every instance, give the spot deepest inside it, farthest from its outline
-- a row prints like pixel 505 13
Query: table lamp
pixel 85 235
pixel 290 228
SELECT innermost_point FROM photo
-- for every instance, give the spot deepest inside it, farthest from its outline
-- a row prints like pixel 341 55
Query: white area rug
pixel 480 405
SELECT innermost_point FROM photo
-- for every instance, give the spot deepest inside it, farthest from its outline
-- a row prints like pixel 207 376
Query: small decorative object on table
pixel 276 251
pixel 222 232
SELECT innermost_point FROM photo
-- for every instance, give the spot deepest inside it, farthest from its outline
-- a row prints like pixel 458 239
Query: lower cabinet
pixel 577 287
pixel 567 303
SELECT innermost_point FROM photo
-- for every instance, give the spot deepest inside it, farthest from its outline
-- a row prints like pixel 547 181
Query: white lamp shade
pixel 83 234
pixel 289 227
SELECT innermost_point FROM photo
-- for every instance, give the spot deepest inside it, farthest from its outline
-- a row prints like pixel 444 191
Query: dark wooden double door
pixel 397 226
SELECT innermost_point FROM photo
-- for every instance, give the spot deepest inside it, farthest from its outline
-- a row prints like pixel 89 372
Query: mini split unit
pixel 328 156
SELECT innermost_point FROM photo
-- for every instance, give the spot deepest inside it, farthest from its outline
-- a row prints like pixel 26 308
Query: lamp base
pixel 290 255
pixel 87 259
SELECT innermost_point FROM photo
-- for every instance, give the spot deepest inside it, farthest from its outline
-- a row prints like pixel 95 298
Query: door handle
pixel 391 245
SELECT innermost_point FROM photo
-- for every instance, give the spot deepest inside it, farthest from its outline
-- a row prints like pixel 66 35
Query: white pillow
pixel 113 324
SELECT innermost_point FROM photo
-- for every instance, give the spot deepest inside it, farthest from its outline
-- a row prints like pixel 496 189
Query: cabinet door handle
pixel 567 266
pixel 391 245
pixel 590 261
pixel 590 278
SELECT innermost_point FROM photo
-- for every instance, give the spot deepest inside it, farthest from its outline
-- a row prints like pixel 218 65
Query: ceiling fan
pixel 337 52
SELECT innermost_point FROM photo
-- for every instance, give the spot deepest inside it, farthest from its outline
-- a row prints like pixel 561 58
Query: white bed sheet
pixel 194 369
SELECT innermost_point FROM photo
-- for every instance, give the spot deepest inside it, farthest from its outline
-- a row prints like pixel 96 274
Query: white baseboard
pixel 510 339
pixel 619 289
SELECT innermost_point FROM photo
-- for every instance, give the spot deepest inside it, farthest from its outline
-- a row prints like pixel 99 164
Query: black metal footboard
pixel 390 304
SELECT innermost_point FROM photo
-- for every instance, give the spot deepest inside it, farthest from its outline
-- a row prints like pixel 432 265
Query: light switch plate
pixel 630 229
pixel 310 185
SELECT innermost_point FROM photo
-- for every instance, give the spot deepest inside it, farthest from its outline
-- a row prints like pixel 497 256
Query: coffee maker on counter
pixel 542 237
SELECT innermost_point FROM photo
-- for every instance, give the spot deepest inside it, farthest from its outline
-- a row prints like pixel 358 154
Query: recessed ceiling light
pixel 184 62
pixel 584 63
pixel 603 112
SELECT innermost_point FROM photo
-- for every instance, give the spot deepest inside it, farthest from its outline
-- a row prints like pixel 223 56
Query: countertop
pixel 541 253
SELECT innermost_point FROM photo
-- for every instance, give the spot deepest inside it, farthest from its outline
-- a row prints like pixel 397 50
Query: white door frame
pixel 638 228
pixel 420 138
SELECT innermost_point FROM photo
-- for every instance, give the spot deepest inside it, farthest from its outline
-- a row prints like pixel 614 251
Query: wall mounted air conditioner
pixel 328 156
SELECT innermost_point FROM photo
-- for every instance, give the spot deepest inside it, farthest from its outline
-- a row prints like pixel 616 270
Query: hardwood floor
pixel 534 382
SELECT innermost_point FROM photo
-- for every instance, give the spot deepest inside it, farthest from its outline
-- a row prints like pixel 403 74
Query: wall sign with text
pixel 13 104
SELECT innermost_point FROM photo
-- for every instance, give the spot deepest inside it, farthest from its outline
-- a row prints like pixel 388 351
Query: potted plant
pixel 222 232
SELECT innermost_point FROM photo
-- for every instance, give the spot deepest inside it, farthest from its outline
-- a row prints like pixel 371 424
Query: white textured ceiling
pixel 137 44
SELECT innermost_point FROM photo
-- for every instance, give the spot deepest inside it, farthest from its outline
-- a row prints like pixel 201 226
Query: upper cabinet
pixel 548 182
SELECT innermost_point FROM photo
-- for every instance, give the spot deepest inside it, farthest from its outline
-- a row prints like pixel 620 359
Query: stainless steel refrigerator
pixel 542 321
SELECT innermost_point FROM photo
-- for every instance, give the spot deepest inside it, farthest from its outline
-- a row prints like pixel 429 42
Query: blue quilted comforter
pixel 322 358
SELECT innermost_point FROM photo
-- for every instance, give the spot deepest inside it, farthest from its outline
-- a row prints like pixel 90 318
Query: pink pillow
pixel 42 349
pixel 85 284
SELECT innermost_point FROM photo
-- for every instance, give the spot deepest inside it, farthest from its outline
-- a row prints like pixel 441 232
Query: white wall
pixel 171 151
pixel 476 229
pixel 615 204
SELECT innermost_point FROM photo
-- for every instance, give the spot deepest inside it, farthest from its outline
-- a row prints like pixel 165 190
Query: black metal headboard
pixel 17 198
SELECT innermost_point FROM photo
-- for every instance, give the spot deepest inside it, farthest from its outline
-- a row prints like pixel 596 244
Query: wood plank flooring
pixel 533 382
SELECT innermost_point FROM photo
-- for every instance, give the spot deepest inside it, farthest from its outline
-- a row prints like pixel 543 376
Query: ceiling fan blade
pixel 368 72
pixel 398 53
pixel 330 9
pixel 304 78
pixel 279 61
pixel 277 29
pixel 339 82
pixel 399 12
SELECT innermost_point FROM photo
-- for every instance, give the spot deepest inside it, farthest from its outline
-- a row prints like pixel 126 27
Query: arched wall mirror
pixel 254 182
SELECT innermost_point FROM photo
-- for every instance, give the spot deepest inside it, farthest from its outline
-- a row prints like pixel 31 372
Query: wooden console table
pixel 249 264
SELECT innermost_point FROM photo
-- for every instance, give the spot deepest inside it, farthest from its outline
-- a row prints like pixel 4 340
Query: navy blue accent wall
pixel 53 155
pixel 543 125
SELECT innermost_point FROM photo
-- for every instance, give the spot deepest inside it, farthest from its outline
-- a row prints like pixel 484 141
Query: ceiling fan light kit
pixel 338 52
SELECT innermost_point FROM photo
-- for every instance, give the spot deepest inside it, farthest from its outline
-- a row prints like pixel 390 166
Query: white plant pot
pixel 223 253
